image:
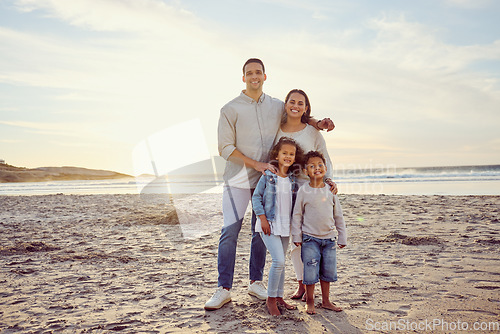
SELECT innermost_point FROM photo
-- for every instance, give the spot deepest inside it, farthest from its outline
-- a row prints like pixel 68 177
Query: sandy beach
pixel 147 264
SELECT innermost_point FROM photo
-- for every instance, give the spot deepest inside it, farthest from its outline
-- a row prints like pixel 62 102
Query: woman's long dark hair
pixel 294 169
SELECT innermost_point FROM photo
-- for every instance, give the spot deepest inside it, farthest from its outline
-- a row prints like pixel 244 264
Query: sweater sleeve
pixel 297 217
pixel 339 222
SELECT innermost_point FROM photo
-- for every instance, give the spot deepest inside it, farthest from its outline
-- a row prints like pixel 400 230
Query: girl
pixel 295 126
pixel 273 201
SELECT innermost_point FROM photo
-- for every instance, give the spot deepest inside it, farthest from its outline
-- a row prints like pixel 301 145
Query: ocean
pixel 454 180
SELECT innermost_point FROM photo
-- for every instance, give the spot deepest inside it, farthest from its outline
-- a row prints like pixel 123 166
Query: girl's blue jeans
pixel 277 246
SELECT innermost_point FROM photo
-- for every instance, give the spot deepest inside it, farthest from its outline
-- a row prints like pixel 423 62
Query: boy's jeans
pixel 320 259
pixel 234 204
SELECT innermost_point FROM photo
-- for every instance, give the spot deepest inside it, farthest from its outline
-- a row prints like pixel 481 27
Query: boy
pixel 316 214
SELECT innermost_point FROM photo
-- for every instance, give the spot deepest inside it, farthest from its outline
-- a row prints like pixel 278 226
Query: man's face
pixel 315 168
pixel 254 76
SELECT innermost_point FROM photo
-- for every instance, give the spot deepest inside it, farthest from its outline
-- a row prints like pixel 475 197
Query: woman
pixel 295 125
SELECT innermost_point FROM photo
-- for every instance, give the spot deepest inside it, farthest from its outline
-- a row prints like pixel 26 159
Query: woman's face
pixel 295 107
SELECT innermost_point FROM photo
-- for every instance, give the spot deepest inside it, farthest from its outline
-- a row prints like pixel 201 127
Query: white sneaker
pixel 258 290
pixel 219 298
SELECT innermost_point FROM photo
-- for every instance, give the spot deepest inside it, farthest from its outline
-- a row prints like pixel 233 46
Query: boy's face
pixel 254 76
pixel 315 168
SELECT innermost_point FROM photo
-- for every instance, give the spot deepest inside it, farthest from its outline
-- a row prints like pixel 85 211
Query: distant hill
pixel 10 173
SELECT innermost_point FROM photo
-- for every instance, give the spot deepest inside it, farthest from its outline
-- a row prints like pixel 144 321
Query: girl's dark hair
pixel 307 115
pixel 294 169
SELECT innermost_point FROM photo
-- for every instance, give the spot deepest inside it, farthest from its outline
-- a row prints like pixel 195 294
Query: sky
pixel 107 84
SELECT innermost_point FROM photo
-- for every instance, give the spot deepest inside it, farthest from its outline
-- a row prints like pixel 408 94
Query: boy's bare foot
pixel 272 307
pixel 331 306
pixel 310 308
pixel 282 302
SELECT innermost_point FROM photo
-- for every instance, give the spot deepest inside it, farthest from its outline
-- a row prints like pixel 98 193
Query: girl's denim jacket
pixel 264 195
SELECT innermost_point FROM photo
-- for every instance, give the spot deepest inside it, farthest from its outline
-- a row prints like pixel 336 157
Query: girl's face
pixel 286 155
pixel 295 107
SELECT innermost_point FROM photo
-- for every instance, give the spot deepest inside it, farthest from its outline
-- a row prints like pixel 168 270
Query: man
pixel 247 127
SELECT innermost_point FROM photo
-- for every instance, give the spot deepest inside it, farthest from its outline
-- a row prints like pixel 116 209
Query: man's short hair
pixel 254 60
pixel 313 154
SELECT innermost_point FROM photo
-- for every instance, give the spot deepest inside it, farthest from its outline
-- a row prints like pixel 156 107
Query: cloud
pixel 316 9
pixel 117 16
pixel 70 144
pixel 405 79
pixel 310 6
pixel 469 4
pixel 415 46
pixel 51 129
pixel 34 125
pixel 159 49
pixel 11 141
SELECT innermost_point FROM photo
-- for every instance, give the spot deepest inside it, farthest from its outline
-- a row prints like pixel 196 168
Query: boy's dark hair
pixel 312 154
pixel 254 60
pixel 299 154
pixel 307 115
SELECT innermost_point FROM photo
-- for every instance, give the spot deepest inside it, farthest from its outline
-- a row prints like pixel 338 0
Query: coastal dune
pixel 147 263
pixel 10 173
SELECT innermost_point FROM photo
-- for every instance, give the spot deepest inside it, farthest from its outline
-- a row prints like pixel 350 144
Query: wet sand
pixel 124 263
